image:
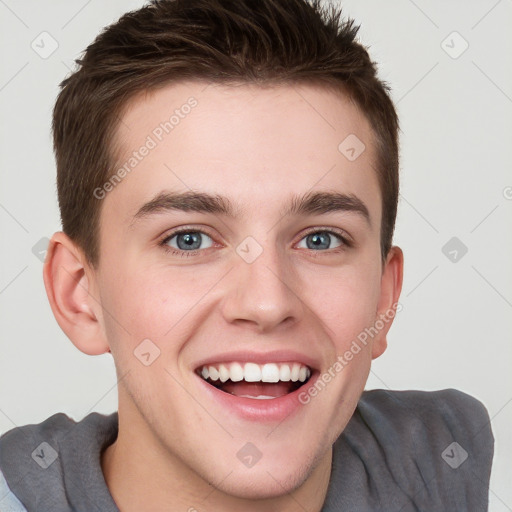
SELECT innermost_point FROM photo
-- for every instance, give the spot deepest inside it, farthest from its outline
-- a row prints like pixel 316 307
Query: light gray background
pixel 456 118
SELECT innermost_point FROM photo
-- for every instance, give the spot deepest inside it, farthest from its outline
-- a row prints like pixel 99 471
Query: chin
pixel 265 483
pixel 275 474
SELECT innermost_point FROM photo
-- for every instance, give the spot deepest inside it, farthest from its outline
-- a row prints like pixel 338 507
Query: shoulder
pixel 62 447
pixel 8 501
pixel 22 438
pixel 55 428
pixel 420 450
pixel 448 411
pixel 59 420
pixel 430 426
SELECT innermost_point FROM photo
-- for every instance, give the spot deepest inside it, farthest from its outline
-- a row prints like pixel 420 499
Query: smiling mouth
pixel 258 381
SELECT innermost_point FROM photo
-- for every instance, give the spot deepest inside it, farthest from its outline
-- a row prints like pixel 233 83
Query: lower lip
pixel 253 409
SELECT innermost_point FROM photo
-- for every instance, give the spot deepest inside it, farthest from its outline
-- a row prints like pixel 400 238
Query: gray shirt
pixel 401 451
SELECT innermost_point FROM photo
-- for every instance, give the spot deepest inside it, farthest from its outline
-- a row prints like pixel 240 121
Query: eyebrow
pixel 309 203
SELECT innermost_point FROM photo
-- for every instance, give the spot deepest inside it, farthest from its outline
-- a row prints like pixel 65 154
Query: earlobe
pixel 68 289
pixel 391 287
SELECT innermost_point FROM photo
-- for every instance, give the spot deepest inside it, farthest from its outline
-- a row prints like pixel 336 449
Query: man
pixel 228 184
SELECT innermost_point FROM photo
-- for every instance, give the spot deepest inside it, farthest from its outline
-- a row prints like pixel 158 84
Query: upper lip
pixel 259 357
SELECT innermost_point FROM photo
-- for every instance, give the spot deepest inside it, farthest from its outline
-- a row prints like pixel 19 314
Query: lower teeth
pixel 259 397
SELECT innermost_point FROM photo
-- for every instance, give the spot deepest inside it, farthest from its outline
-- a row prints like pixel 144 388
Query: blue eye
pixel 189 241
pixel 321 240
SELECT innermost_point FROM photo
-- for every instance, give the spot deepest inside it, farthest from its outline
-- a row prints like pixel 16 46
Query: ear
pixel 67 279
pixel 390 288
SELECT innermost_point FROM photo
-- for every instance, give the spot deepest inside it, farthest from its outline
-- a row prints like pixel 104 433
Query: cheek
pixel 346 302
pixel 152 303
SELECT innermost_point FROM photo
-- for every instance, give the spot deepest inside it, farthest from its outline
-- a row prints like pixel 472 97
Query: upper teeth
pixel 252 372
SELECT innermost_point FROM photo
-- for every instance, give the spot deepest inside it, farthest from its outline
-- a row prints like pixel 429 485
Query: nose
pixel 262 295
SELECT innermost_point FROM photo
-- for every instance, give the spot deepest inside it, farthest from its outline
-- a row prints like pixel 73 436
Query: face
pixel 239 262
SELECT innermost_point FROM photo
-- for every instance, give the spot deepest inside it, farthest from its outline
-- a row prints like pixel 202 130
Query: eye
pixel 189 240
pixel 322 240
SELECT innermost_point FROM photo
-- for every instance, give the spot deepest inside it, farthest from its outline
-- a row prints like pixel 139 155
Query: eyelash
pixel 345 242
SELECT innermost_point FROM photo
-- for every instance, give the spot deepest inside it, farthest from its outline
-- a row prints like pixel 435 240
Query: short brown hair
pixel 222 41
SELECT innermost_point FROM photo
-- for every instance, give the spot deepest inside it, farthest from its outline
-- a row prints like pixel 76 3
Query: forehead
pixel 258 145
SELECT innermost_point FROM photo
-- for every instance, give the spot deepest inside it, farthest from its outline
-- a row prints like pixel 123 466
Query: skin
pixel 257 146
